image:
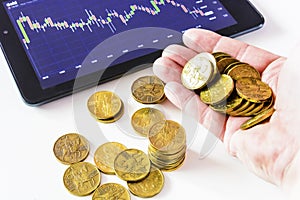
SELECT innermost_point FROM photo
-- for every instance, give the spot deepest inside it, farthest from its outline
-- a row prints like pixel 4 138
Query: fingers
pixel 179 54
pixel 179 95
pixel 190 103
pixel 167 70
pixel 168 67
pixel 203 40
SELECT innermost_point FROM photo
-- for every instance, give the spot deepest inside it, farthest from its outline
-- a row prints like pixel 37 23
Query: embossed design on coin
pixel 149 186
pixel 148 89
pixel 167 136
pixel 143 119
pixel 132 165
pixel 111 191
pixel 219 91
pixel 197 72
pixel 105 156
pixel 242 71
pixel 71 148
pixel 253 90
pixel 104 105
pixel 82 178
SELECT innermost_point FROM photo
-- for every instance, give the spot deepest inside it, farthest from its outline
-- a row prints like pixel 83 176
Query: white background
pixel 30 171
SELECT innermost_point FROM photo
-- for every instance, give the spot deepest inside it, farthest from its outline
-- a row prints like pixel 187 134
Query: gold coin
pixel 244 105
pixel 212 60
pixel 163 161
pixel 167 136
pixel 253 90
pixel 143 119
pixel 258 107
pixel 82 178
pixel 219 55
pixel 229 105
pixel 242 71
pixel 132 165
pixel 247 110
pixel 267 104
pixel 149 186
pixel 168 167
pixel 71 148
pixel 162 99
pixel 197 72
pixel 105 156
pixel 218 91
pixel 114 118
pixel 111 191
pixel 148 89
pixel 224 62
pixel 258 118
pixel 104 105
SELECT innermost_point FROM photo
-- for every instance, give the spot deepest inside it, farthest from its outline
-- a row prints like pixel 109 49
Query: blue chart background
pixel 53 51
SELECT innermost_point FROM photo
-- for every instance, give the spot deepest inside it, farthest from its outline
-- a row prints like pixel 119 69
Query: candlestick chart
pixel 58 35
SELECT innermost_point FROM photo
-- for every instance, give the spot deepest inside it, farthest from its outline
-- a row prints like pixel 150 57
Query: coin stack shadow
pixel 229 86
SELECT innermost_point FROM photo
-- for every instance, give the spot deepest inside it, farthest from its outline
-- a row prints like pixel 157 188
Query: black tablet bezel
pixel 247 16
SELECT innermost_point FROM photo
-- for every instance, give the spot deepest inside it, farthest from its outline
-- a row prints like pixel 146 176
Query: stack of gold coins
pixel 148 90
pixel 167 146
pixel 105 106
pixel 236 90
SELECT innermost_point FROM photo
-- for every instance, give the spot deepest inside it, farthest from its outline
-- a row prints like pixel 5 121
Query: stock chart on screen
pixel 58 35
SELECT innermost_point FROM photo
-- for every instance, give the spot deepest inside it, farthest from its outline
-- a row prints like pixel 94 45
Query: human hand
pixel 269 149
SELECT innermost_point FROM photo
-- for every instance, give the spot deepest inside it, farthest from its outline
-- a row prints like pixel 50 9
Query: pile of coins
pixel 142 172
pixel 83 178
pixel 229 86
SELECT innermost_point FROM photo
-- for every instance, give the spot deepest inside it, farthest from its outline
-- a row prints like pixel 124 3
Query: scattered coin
pixel 105 106
pixel 143 119
pixel 150 186
pixel 105 156
pixel 148 90
pixel 71 148
pixel 111 191
pixel 82 178
pixel 132 165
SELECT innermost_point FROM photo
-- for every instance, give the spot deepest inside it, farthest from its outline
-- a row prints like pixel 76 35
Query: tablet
pixel 52 44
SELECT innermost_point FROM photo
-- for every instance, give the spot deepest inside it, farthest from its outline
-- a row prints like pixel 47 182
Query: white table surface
pixel 30 171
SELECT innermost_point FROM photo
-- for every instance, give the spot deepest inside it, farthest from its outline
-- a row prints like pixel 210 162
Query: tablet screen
pixel 58 35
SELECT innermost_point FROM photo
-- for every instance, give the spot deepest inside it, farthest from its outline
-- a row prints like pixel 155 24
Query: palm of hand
pixel 267 149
